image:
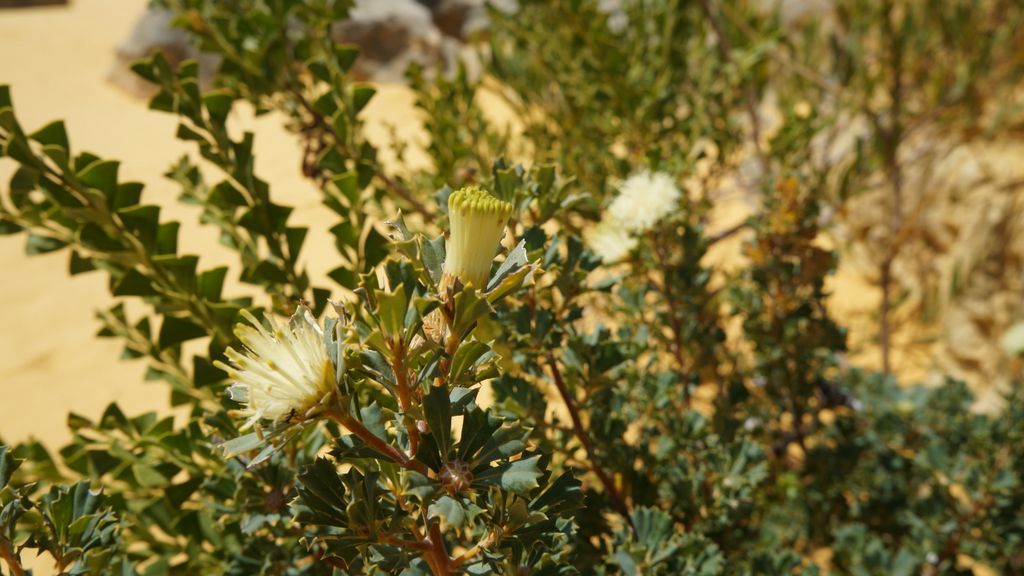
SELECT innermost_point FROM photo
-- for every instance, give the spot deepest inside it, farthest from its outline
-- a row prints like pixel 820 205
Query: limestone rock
pixel 154 32
pixel 390 34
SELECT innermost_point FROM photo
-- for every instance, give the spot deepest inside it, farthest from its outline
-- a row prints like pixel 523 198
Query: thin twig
pixel 728 233
pixel 356 427
pixel 320 122
pixel 405 390
pixel 618 502
pixel 7 553
pixel 410 544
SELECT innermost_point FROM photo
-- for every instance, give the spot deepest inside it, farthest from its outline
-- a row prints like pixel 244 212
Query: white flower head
pixel 477 221
pixel 282 373
pixel 1012 341
pixel 610 241
pixel 644 199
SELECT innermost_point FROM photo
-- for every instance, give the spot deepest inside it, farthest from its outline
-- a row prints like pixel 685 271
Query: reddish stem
pixel 618 502
pixel 378 443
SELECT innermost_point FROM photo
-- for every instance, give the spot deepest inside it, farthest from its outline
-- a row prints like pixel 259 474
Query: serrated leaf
pixel 7 465
pixel 433 253
pixel 515 260
pixel 449 511
pixel 519 477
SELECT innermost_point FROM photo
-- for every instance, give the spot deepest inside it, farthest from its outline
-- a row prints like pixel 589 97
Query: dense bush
pixel 602 399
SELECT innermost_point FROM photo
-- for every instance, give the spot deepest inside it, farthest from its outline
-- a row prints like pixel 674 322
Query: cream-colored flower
pixel 477 223
pixel 644 199
pixel 1012 341
pixel 610 241
pixel 283 373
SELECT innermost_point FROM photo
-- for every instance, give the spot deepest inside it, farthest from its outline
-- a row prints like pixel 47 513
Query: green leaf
pixel 52 134
pixel 128 194
pixel 520 476
pixel 437 409
pixel 24 181
pixel 79 264
pixel 361 95
pixel 348 184
pixel 515 260
pixel 95 238
pixel 321 495
pixel 433 254
pixel 241 445
pixel 218 104
pixel 42 244
pixel 469 308
pixel 295 237
pixel 225 194
pixel 167 238
pixel 345 234
pixel 7 227
pixel 375 248
pixel 346 55
pixel 344 277
pixel 134 283
pixel 101 175
pixel 183 268
pixel 466 356
pixel 449 511
pixel 175 330
pixel 142 221
pixel 147 476
pixel 205 373
pixel 391 308
pixel 210 283
pixel 7 465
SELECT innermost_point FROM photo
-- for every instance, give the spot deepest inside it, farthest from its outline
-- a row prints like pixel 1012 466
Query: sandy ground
pixel 56 61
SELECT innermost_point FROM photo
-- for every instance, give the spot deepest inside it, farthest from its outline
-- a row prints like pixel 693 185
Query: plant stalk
pixel 618 502
pixel 378 443
pixel 7 553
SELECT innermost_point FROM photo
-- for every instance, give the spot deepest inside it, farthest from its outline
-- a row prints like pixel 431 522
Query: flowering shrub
pixel 527 362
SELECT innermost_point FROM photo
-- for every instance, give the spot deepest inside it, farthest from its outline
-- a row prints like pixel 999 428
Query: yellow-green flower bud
pixel 477 222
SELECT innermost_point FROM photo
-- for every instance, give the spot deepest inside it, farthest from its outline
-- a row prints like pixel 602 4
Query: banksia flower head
pixel 610 241
pixel 644 199
pixel 477 223
pixel 283 373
